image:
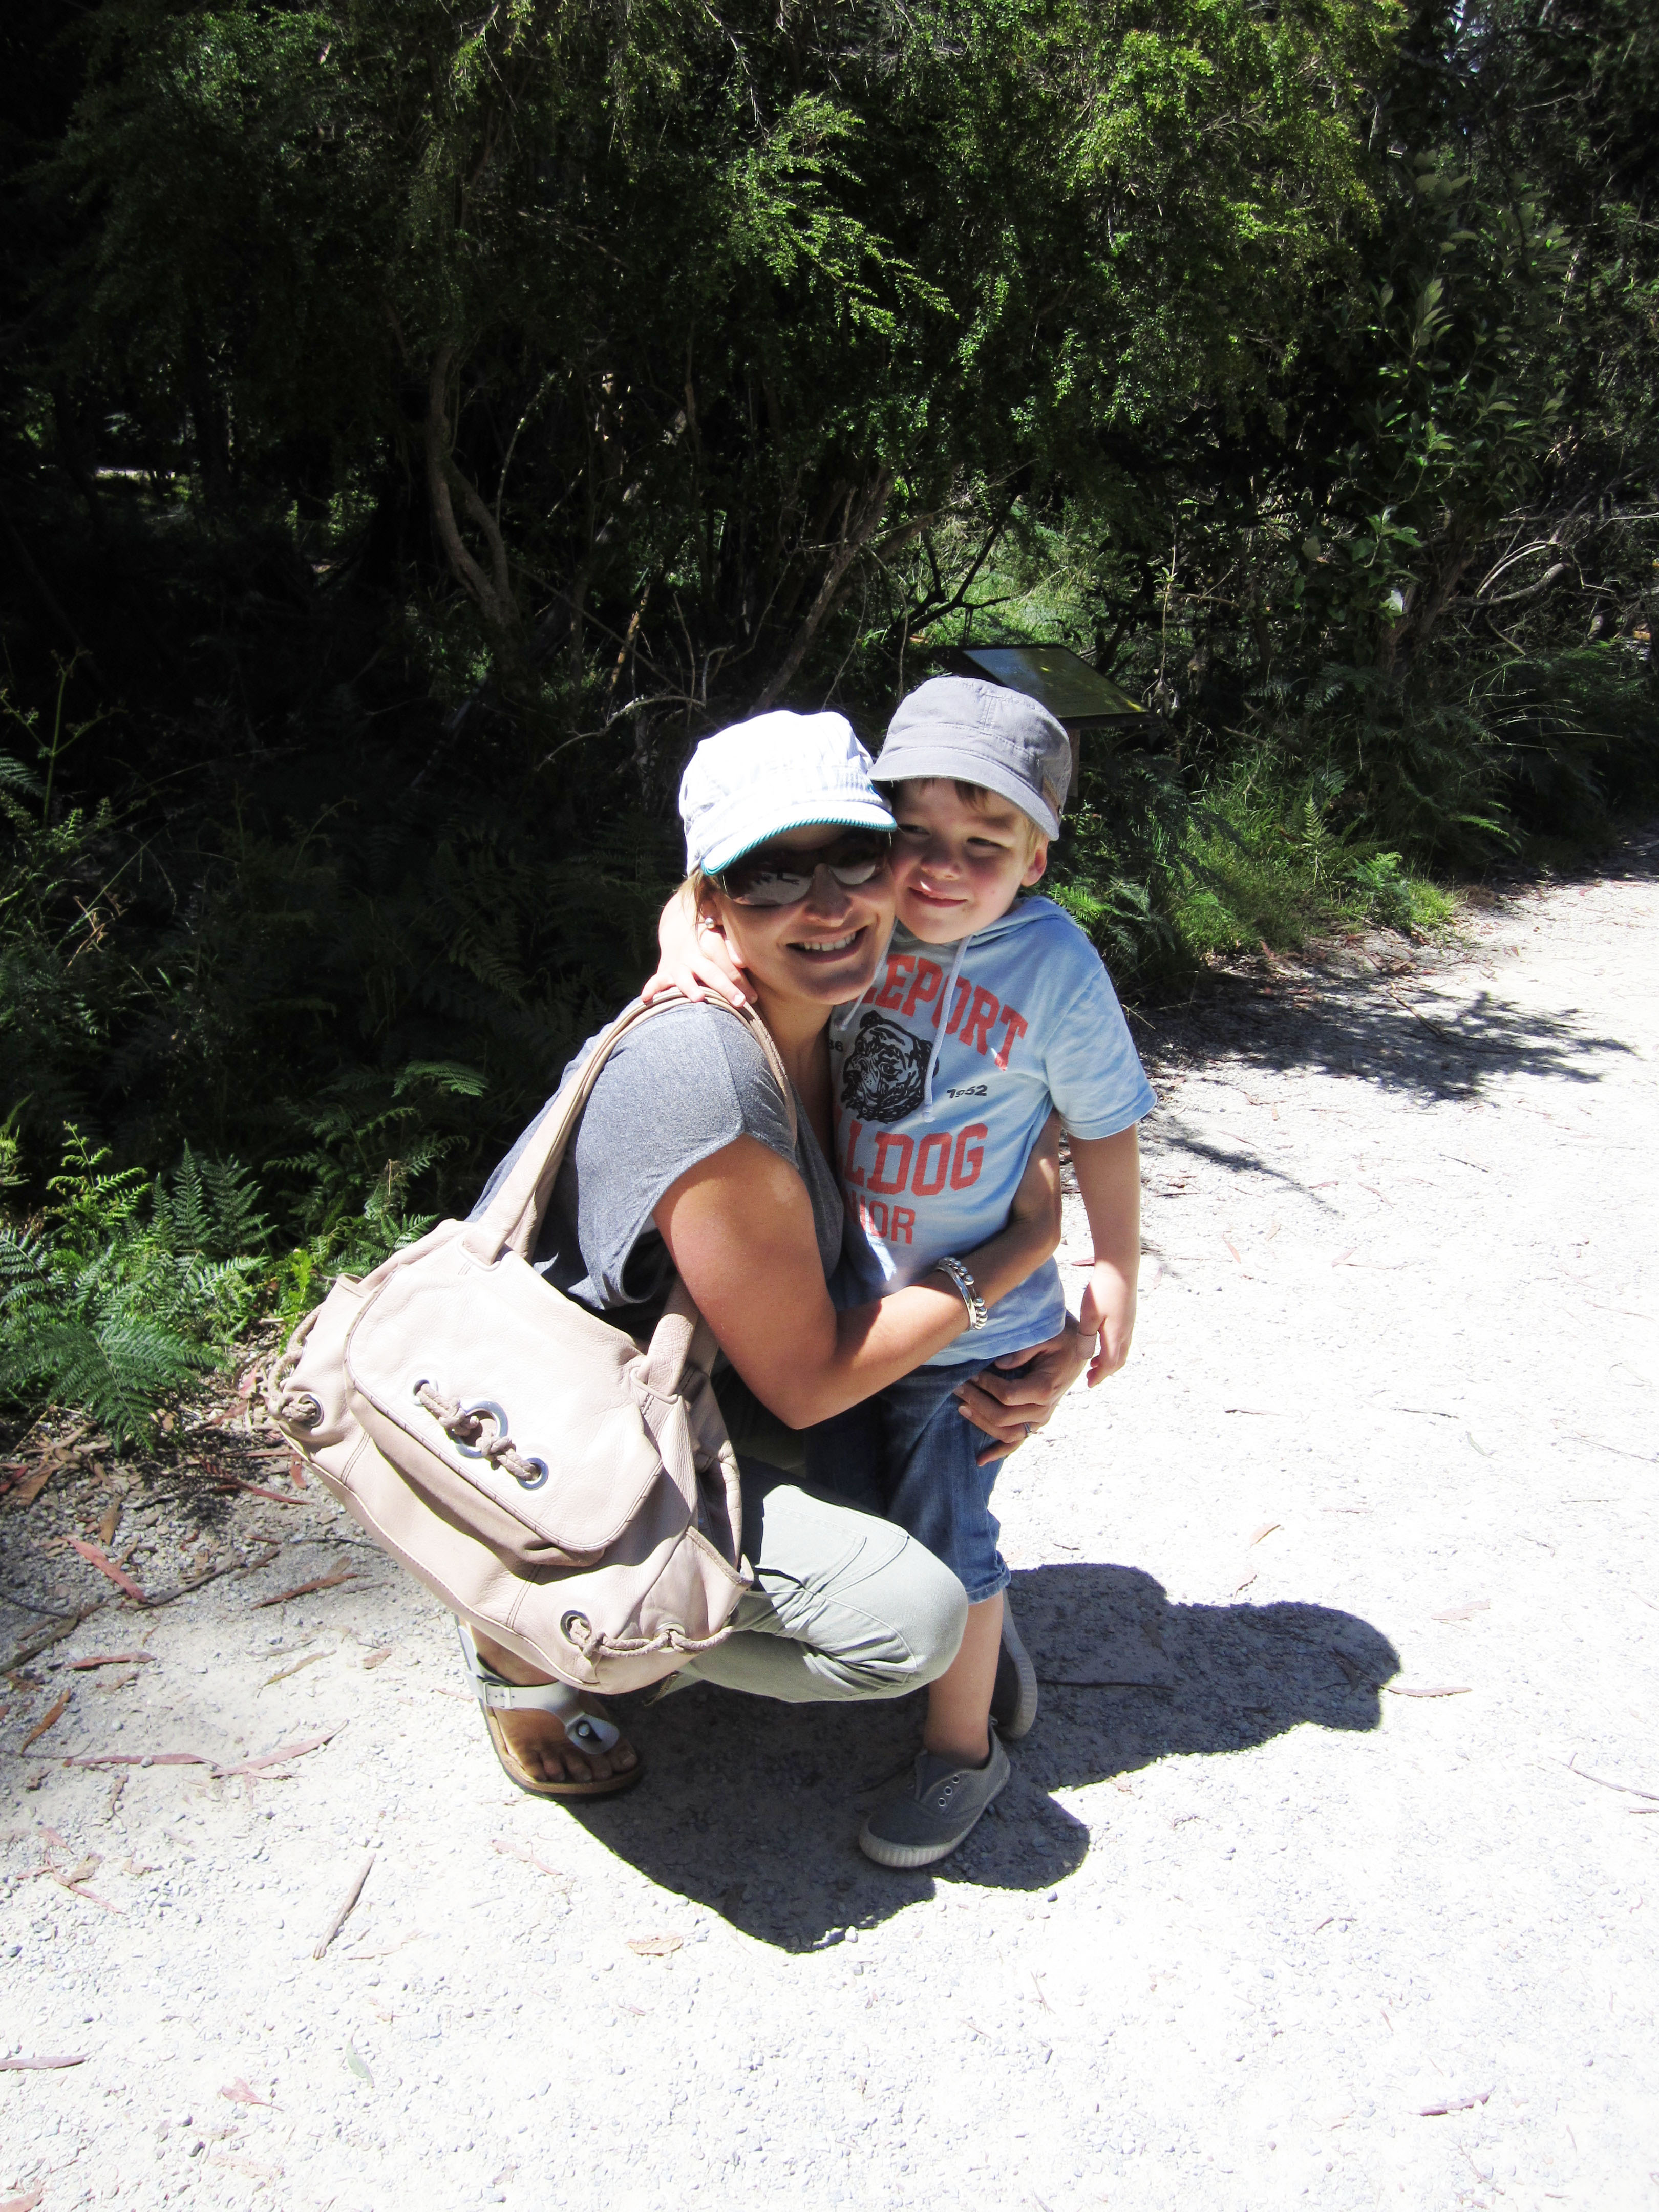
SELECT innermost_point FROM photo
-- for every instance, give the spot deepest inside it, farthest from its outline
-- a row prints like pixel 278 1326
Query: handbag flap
pixel 565 1385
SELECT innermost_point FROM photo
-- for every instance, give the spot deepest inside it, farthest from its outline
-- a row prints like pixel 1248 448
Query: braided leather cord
pixel 291 1409
pixel 467 1428
pixel 594 1644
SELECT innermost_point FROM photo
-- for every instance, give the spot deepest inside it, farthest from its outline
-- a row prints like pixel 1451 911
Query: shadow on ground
pixel 751 1809
pixel 1379 1018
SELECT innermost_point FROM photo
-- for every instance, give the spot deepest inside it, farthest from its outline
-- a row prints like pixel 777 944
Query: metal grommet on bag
pixel 535 1478
pixel 477 1409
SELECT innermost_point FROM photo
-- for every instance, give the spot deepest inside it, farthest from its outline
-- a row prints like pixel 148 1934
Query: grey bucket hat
pixel 982 733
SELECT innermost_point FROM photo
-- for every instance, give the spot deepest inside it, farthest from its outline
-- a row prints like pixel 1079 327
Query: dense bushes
pixel 416 429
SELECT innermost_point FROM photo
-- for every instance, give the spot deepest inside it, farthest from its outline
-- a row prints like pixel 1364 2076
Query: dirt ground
pixel 1329 1874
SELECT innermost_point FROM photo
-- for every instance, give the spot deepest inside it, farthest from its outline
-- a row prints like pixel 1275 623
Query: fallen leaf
pixel 120 1575
pixel 655 1947
pixel 52 1720
pixel 1265 1529
pixel 1343 1258
pixel 304 1590
pixel 254 1490
pixel 75 1889
pixel 32 1484
pixel 1629 1789
pixel 27 2202
pixel 1453 2104
pixel 111 1659
pixel 283 1753
pixel 298 1668
pixel 510 1851
pixel 41 2065
pixel 239 2093
pixel 1427 1689
pixel 1465 1611
pixel 250 2166
pixel 378 1658
pixel 109 1521
pixel 357 2066
pixel 1244 1585
pixel 344 1912
pixel 413 1936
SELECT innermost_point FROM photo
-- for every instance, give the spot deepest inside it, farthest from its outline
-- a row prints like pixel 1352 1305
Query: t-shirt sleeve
pixel 677 1089
pixel 1094 1072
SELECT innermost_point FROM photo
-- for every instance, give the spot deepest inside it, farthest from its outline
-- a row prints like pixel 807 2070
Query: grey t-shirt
pixel 677 1088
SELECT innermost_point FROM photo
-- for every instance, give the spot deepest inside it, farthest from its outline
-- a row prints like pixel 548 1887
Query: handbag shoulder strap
pixel 514 1214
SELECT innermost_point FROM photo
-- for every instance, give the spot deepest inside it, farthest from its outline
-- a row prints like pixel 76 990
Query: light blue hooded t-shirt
pixel 945 1075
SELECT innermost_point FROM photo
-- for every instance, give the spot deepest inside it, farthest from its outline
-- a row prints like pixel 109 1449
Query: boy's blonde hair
pixel 983 801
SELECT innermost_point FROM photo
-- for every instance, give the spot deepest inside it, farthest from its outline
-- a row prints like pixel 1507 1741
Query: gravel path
pixel 1297 1896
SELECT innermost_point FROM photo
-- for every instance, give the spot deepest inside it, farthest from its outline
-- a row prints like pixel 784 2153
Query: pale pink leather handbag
pixel 571 1494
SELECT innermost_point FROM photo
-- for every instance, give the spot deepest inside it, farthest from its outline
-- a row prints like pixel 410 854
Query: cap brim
pixel 912 759
pixel 846 810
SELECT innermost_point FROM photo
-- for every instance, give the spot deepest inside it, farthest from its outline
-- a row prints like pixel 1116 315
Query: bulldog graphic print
pixel 886 1071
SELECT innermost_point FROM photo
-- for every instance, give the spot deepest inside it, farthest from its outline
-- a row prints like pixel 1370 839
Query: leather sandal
pixel 584 1731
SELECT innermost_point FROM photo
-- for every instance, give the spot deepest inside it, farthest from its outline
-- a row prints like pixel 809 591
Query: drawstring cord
pixel 944 1017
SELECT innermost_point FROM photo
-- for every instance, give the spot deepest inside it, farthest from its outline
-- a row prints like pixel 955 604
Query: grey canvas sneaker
pixel 1014 1699
pixel 931 1815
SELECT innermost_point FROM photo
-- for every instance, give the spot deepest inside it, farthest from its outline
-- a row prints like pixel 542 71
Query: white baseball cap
pixel 778 772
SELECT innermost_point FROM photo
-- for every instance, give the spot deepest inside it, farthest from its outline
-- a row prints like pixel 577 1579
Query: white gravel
pixel 1243 1915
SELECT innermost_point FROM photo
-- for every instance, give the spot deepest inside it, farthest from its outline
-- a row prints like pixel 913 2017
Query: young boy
pixel 992 1010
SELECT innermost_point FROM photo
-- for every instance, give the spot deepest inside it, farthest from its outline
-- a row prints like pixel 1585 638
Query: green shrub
pixel 125 1293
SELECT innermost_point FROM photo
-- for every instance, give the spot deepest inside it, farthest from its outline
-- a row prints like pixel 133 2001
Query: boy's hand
pixel 1107 1170
pixel 1108 1314
pixel 695 957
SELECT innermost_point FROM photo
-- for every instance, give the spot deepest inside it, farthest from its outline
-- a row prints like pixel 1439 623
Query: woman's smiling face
pixel 829 947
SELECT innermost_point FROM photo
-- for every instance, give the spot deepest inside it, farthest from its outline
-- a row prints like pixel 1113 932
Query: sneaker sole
pixel 1025 1711
pixel 906 1856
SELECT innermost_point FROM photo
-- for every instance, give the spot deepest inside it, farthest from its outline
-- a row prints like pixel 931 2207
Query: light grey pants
pixel 846 1606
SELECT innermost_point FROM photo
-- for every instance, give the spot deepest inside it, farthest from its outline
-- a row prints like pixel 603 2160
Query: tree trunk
pixel 493 593
pixel 859 529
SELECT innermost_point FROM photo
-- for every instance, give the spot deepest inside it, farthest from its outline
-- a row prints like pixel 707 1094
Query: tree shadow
pixel 1382 1028
pixel 751 1809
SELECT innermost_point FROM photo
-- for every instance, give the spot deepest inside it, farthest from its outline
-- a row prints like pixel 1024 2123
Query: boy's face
pixel 957 868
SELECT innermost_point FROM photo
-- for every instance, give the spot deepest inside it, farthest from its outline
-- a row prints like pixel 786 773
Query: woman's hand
pixel 1009 1407
pixel 695 957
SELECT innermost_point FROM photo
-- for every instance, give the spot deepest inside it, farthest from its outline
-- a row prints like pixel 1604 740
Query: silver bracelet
pixel 977 1313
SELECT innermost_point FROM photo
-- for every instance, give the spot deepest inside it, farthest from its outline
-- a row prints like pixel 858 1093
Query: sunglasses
pixel 783 877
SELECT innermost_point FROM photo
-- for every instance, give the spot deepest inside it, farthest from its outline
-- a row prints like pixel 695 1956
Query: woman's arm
pixel 740 1229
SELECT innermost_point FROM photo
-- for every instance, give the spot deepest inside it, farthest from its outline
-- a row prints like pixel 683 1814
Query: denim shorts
pixel 908 1455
